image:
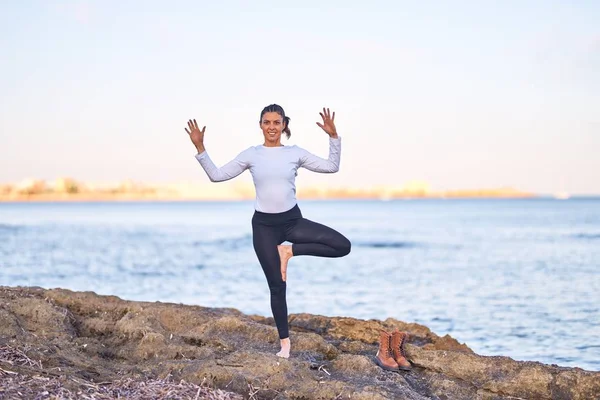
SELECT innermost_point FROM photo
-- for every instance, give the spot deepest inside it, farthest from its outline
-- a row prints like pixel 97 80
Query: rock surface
pixel 94 340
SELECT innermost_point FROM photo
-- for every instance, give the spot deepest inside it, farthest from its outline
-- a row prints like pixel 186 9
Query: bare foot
pixel 285 253
pixel 285 348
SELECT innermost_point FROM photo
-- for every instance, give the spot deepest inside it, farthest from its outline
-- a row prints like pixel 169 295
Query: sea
pixel 511 277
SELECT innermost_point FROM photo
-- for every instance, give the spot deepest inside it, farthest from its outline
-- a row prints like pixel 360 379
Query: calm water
pixel 507 277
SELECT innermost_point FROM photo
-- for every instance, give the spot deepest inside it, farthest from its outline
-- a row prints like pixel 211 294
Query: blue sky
pixel 461 94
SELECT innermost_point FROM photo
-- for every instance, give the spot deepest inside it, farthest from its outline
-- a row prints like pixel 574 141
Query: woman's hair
pixel 279 110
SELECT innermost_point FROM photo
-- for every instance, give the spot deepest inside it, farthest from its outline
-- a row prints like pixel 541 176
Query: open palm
pixel 328 126
pixel 196 135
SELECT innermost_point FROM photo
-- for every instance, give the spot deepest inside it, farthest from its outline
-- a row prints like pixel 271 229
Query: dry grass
pixel 40 385
pixel 14 356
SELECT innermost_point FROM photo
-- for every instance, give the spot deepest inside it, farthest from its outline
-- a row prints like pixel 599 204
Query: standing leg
pixel 265 240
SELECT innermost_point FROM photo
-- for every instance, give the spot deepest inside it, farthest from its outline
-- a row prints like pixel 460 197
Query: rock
pixel 9 326
pixel 90 338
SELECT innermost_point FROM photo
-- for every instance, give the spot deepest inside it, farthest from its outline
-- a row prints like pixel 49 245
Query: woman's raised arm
pixel 228 171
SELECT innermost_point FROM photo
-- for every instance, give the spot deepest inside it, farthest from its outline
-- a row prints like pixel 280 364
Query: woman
pixel 277 217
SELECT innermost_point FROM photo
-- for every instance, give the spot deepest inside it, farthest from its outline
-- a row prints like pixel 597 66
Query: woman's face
pixel 272 125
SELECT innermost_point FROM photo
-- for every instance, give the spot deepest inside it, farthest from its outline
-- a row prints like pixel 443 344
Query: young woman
pixel 277 217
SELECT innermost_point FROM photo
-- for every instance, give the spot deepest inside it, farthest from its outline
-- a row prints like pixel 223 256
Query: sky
pixel 461 94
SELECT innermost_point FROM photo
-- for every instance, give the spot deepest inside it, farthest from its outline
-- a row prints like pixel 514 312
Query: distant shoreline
pixel 227 200
pixel 175 199
pixel 85 197
pixel 71 190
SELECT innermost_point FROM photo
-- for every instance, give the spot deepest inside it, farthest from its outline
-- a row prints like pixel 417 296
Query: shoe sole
pixel 378 362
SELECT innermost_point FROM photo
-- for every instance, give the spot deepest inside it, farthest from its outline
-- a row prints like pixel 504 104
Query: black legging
pixel 308 238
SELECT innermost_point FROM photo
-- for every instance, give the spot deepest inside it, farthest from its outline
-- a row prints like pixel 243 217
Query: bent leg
pixel 313 239
pixel 265 240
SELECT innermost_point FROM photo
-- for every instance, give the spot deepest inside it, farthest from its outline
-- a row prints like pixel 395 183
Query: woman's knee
pixel 340 243
pixel 344 246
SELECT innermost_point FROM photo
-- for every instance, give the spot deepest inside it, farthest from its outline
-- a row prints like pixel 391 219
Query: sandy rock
pixel 9 325
pixel 81 339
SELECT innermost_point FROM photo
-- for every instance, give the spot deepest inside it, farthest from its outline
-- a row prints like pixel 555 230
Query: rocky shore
pixel 57 344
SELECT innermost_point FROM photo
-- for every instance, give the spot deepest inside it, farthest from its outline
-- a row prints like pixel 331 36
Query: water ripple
pixel 385 245
pixel 587 236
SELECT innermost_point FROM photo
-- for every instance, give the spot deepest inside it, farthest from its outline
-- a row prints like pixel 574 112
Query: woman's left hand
pixel 328 126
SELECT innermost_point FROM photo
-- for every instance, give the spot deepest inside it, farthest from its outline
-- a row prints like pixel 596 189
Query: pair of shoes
pixel 391 355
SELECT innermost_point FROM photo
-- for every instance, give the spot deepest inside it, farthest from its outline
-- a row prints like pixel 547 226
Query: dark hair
pixel 279 110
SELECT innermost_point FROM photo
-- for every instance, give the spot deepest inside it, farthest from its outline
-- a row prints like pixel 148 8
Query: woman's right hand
pixel 196 135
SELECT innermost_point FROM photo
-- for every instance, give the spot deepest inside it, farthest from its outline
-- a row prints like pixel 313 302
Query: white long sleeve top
pixel 274 171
